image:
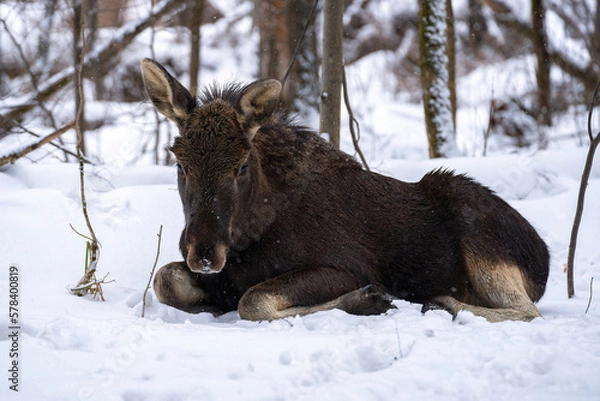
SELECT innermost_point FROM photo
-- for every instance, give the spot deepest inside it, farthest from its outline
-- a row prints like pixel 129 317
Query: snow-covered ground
pixel 79 348
pixel 72 348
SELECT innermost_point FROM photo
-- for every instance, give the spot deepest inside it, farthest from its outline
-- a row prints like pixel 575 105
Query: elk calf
pixel 279 223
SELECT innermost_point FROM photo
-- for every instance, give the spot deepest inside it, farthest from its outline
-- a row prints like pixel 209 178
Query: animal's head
pixel 214 159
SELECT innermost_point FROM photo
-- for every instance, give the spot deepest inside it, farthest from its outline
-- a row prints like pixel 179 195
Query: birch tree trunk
pixel 435 78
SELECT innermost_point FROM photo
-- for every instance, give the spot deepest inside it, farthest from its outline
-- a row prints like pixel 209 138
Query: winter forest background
pixel 510 111
pixel 539 68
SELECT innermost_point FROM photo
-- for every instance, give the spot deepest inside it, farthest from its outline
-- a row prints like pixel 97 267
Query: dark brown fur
pixel 289 225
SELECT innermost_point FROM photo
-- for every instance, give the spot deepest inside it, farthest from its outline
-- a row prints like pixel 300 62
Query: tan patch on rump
pixel 499 285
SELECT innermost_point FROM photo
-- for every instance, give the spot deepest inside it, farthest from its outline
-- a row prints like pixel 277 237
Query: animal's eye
pixel 243 170
pixel 180 170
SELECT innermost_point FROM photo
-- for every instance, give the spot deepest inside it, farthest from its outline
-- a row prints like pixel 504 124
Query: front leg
pixel 312 290
pixel 176 285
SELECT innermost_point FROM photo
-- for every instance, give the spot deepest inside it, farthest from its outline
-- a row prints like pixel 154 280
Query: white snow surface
pixel 73 348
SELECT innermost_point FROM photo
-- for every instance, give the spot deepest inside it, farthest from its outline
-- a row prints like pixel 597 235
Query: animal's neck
pixel 258 211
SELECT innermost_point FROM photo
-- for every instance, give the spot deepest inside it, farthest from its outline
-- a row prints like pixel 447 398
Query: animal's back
pixel 415 237
pixel 375 227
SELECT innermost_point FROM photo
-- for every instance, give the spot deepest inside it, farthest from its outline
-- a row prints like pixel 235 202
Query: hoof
pixel 369 300
pixel 444 303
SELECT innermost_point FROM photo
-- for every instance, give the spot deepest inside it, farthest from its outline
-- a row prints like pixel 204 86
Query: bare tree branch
pixel 353 122
pixel 152 271
pixel 506 17
pixel 30 72
pixel 56 145
pixel 11 158
pixel 122 38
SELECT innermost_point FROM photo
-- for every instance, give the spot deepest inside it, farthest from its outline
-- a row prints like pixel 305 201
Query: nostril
pixel 206 263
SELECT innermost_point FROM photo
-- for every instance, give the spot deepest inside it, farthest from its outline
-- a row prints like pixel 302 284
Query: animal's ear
pixel 168 95
pixel 257 103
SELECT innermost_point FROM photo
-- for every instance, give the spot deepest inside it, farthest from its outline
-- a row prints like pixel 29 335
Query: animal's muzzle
pixel 206 259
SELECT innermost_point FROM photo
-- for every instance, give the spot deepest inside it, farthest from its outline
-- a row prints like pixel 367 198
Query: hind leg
pixel 176 285
pixel 499 292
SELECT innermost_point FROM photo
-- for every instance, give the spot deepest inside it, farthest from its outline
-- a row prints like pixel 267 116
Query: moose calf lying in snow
pixel 279 223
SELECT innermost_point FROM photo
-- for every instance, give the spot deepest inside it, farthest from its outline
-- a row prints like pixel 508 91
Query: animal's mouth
pixel 210 261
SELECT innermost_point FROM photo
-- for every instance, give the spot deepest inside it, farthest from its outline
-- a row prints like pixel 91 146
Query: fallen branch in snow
pixel 89 284
pixel 152 271
pixel 594 142
pixel 14 156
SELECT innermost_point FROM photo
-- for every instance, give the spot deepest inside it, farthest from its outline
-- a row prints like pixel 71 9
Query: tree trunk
pixel 196 9
pixel 333 68
pixel 451 40
pixel 433 46
pixel 46 25
pixel 273 52
pixel 111 12
pixel 594 53
pixel 542 73
pixel 596 36
pixel 78 66
pixel 477 25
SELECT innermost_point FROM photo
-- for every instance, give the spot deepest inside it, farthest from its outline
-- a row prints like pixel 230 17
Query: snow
pixel 73 348
pixel 80 348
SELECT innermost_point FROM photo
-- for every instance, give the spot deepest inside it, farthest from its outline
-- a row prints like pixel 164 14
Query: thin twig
pixel 590 297
pixel 80 234
pixel 91 285
pixel 93 248
pixel 399 343
pixel 297 49
pixel 353 122
pixel 152 271
pixel 594 142
pixel 486 133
